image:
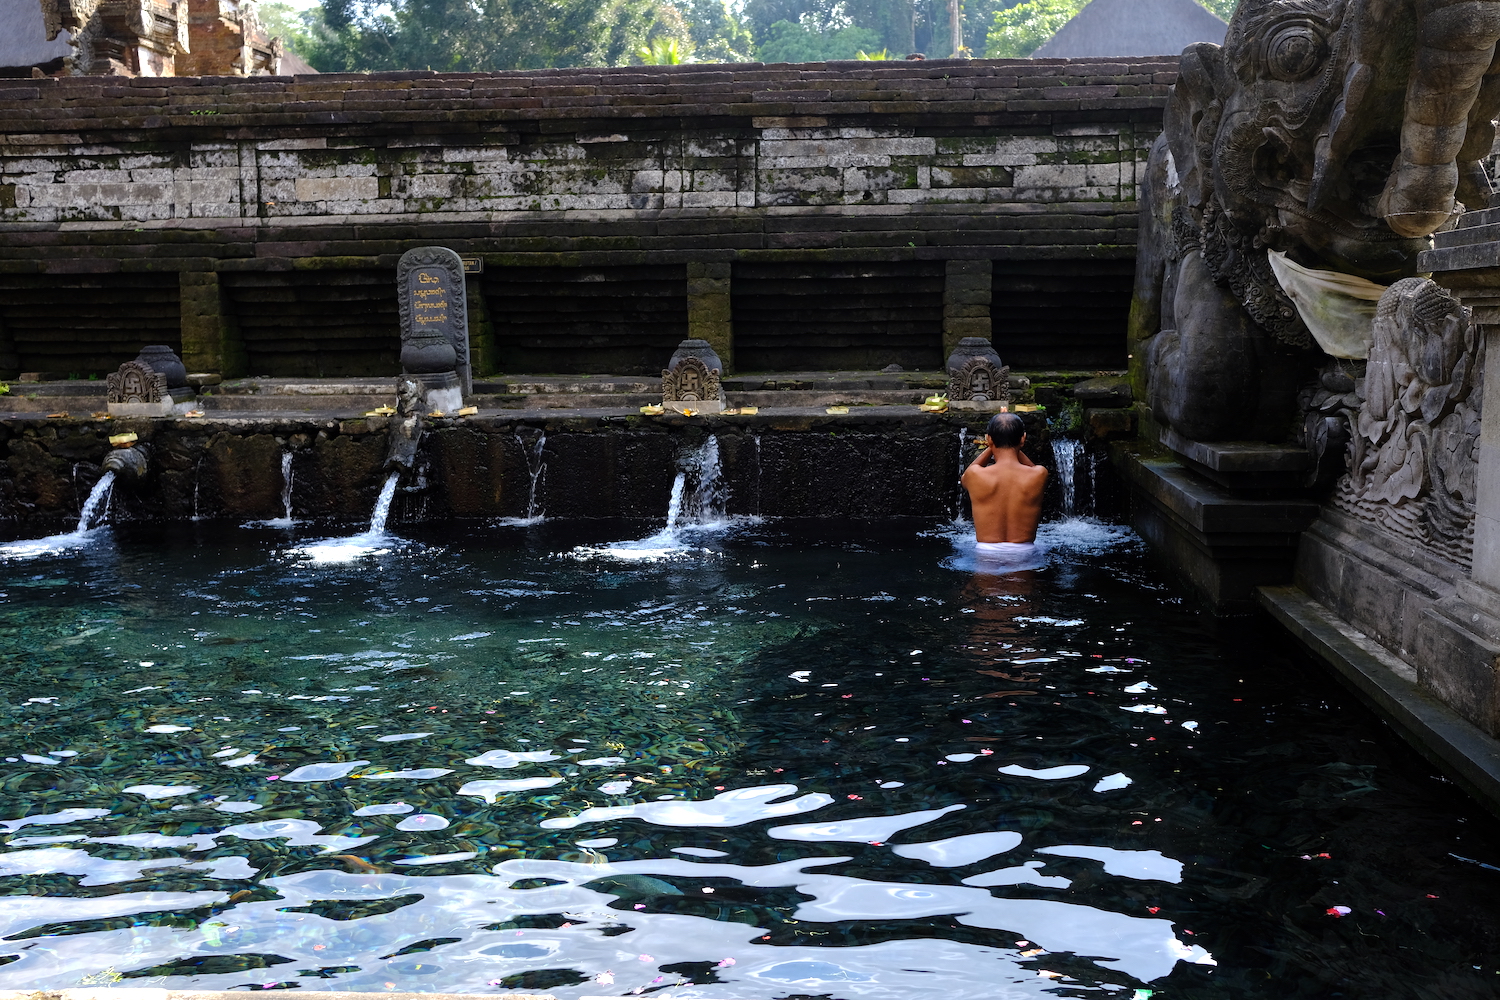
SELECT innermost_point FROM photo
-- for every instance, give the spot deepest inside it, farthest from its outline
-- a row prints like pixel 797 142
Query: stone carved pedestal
pixel 153 385
pixel 976 378
pixel 691 380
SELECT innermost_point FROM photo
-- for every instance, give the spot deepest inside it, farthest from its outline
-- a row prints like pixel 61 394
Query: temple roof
pixel 1133 28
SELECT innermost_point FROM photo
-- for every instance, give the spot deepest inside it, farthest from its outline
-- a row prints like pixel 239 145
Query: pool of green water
pixel 772 761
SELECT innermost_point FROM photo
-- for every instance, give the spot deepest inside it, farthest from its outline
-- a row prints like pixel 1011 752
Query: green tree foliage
pixel 1019 31
pixel 297 29
pixel 820 16
pixel 902 26
pixel 788 42
pixel 465 35
pixel 661 52
pixel 894 21
pixel 718 34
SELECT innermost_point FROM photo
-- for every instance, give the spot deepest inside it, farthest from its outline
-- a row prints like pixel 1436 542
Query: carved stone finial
pixel 975 374
pixel 692 379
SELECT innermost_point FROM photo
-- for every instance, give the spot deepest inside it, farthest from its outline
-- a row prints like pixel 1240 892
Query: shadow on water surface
pixel 786 759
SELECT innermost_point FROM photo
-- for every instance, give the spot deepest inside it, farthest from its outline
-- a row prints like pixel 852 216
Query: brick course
pixel 981 160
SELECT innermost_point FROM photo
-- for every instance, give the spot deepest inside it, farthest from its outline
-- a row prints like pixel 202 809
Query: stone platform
pixel 1392 688
pixel 351 396
pixel 884 457
pixel 1220 543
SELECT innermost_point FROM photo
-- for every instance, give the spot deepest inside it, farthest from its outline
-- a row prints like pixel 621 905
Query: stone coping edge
pixel 127 993
pixel 1456 746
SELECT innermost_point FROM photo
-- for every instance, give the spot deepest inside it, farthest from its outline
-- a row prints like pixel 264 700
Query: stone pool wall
pixel 873 465
pixel 840 215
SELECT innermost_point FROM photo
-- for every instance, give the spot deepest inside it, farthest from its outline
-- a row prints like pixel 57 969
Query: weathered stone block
pixel 243 475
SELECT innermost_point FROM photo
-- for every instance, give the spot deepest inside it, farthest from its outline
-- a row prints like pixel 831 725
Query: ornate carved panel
pixel 1414 438
pixel 978 379
pixel 136 383
pixel 691 381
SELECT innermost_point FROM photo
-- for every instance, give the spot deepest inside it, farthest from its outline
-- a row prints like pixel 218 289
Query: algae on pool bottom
pixel 767 765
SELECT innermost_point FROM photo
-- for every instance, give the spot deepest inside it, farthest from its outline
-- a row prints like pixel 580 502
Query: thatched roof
pixel 1133 28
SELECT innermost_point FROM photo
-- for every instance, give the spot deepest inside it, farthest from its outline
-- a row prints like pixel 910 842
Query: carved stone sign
pixel 435 324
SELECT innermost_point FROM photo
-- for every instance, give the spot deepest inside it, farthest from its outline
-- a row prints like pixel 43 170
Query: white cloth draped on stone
pixel 1339 309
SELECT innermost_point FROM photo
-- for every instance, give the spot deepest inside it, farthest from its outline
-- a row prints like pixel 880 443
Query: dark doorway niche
pixel 837 316
pixel 85 324
pixel 1051 314
pixel 615 319
pixel 316 324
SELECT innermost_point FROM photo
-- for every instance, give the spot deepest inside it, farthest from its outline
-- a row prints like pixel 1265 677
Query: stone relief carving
pixel 980 380
pixel 689 381
pixel 1413 451
pixel 1319 129
pixel 135 382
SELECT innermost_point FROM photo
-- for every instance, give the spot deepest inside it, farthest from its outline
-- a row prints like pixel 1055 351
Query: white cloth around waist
pixel 1007 551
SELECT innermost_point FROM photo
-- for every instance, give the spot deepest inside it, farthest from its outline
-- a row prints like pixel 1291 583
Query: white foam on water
pixel 1087 536
pixel 371 542
pixel 1064 539
pixel 695 514
pixel 95 508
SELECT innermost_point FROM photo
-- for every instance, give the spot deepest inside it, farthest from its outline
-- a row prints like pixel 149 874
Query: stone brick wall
pixel 707 166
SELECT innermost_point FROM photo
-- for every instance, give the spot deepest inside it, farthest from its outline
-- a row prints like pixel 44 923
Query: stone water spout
pixel 128 460
pixel 406 426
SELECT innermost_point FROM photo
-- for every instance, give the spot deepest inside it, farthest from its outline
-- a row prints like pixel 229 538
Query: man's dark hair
pixel 1006 430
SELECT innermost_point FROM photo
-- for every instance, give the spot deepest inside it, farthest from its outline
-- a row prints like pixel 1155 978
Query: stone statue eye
pixel 1294 51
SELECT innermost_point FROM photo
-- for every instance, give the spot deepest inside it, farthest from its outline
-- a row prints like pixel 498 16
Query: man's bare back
pixel 1005 487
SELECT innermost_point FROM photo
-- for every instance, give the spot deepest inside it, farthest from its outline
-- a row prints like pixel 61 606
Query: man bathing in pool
pixel 1005 489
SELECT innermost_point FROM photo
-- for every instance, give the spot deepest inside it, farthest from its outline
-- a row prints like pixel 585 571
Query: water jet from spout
pixel 536 468
pixel 93 515
pixel 372 541
pixel 1065 453
pixel 695 508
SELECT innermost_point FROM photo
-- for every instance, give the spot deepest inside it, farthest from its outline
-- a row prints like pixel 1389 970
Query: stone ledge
pixel 1388 685
pixel 1237 456
pixel 128 993
pixel 1208 507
